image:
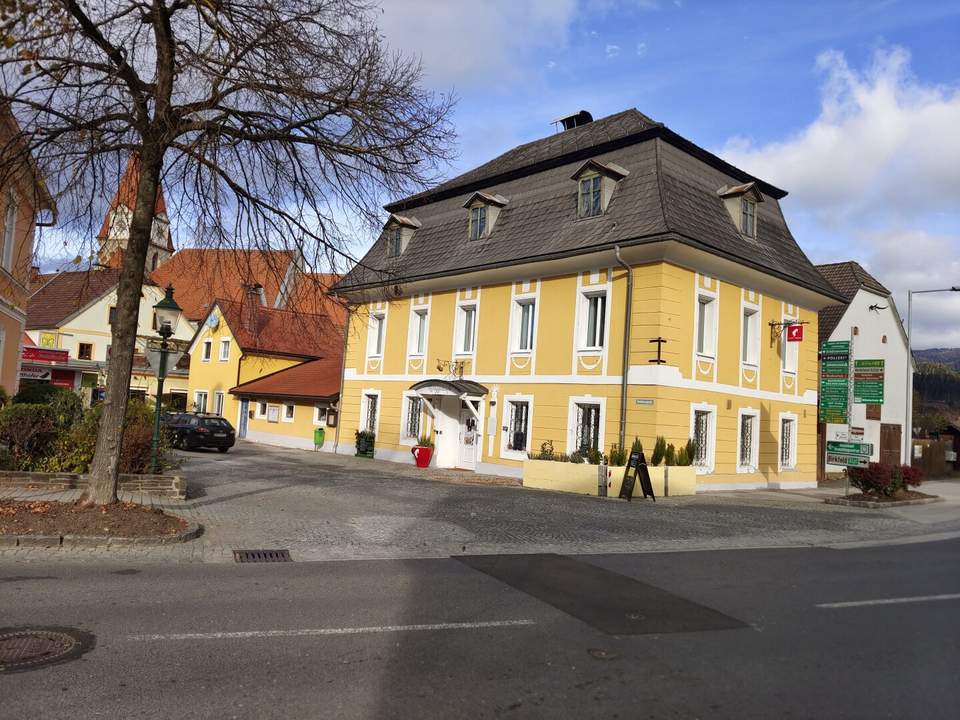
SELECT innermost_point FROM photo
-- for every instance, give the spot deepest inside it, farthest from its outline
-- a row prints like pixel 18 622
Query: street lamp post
pixel 908 425
pixel 166 316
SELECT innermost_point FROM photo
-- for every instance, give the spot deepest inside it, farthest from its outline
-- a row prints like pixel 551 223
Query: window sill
pixel 745 469
pixel 514 455
pixel 409 441
pixel 521 352
pixel 788 372
pixel 703 470
pixel 590 350
pixel 749 365
pixel 706 358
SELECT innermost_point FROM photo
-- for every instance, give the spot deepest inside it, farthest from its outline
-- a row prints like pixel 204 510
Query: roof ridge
pixel 272 309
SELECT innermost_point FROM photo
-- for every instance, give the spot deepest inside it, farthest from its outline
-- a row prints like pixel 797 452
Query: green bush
pixel 38 394
pixel 576 457
pixel 546 452
pixel 637 445
pixel 425 440
pixel 691 448
pixel 618 456
pixel 659 451
pixel 594 456
pixel 670 455
pixel 29 431
pixel 67 409
pixel 683 458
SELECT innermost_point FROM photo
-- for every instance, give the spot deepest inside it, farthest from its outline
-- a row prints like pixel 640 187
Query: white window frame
pixel 711 432
pixel 405 417
pixel 377 334
pixel 319 414
pixel 789 351
pixel 416 312
pixel 460 330
pixel 10 212
pixel 505 452
pixel 293 416
pixel 206 350
pixel 572 403
pixel 196 400
pixel 218 399
pixel 754 461
pixel 707 311
pixel 585 296
pixel 750 328
pixel 224 343
pixel 257 413
pixel 791 417
pixel 363 410
pixel 519 305
pixel 595 181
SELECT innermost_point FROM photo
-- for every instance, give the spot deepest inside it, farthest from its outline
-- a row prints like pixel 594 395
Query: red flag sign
pixel 794 333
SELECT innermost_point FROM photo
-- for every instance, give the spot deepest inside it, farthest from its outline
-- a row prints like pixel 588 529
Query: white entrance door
pixel 468 439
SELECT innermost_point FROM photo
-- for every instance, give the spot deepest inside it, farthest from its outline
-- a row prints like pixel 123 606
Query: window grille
pixel 746 440
pixel 701 437
pixel 588 427
pixel 786 443
pixel 371 419
pixel 413 417
pixel 517 433
pixel 590 204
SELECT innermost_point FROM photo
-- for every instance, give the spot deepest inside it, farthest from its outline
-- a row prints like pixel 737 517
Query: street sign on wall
pixel 834 381
pixel 868 381
pixel 850 448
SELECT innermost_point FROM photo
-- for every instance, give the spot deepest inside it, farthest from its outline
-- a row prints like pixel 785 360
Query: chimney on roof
pixel 250 307
pixel 34 276
pixel 576 120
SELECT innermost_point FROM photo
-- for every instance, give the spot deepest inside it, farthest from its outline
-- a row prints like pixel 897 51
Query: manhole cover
pixel 30 648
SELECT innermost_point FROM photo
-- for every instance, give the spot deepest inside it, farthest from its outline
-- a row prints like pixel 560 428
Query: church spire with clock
pixel 115 231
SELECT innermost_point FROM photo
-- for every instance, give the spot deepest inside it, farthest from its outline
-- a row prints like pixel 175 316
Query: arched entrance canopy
pixel 457 388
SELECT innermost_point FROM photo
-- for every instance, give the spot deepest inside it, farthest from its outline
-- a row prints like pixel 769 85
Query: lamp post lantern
pixel 908 425
pixel 166 315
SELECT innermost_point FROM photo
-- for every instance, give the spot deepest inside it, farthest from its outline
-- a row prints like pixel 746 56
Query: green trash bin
pixel 318 437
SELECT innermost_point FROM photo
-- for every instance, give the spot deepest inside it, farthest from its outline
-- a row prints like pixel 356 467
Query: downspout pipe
pixel 343 372
pixel 625 362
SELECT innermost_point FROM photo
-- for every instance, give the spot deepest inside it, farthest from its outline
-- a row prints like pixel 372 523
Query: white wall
pixel 868 344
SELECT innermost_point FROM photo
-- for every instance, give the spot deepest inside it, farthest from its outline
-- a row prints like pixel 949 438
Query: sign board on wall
pixel 868 381
pixel 273 413
pixel 34 353
pixel 834 381
pixel 33 373
pixel 795 333
pixel 48 340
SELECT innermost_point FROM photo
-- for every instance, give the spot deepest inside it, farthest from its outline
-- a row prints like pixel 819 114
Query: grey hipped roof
pixel 847 277
pixel 670 193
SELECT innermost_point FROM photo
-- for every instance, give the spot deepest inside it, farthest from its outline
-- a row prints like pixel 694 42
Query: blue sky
pixel 853 107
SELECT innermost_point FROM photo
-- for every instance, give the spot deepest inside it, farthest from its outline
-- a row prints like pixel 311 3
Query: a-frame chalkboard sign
pixel 636 467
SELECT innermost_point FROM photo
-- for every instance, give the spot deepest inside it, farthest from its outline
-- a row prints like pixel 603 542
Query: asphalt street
pixel 789 633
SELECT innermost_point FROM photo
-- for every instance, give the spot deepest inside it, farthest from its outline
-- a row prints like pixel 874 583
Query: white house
pixel 870 319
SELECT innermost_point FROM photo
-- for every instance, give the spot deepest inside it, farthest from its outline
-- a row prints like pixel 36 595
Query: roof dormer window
pixel 590 196
pixel 596 183
pixel 478 222
pixel 741 202
pixel 748 216
pixel 398 232
pixel 483 210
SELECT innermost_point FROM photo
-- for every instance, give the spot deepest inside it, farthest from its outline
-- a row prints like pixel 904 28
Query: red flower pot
pixel 422 455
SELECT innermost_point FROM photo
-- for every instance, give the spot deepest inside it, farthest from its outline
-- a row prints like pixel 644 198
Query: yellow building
pixel 24 204
pixel 610 281
pixel 240 342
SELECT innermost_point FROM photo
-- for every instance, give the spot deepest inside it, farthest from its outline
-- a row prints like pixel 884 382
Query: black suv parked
pixel 195 430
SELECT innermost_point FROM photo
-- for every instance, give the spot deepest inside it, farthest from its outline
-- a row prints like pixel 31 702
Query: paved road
pixel 439 638
pixel 322 507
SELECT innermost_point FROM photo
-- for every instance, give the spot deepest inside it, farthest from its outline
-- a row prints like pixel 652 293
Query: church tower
pixel 115 231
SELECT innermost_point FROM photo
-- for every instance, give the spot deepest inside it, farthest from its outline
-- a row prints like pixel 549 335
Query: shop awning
pixel 457 388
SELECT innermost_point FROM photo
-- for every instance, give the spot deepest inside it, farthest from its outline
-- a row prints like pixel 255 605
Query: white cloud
pixel 460 45
pixel 612 51
pixel 883 142
pixel 875 177
pixel 641 49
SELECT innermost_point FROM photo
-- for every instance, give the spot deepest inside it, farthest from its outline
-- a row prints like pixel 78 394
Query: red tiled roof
pixel 259 329
pixel 200 275
pixel 313 379
pixel 28 341
pixel 66 294
pixel 127 195
pixel 309 295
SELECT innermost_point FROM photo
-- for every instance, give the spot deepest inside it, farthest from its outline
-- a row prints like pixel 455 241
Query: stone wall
pixel 168 486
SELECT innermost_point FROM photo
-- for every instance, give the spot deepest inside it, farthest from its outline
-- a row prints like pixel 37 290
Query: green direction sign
pixel 848 460
pixel 868 381
pixel 834 378
pixel 850 448
pixel 835 346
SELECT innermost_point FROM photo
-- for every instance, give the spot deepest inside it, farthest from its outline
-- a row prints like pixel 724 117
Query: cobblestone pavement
pixel 324 507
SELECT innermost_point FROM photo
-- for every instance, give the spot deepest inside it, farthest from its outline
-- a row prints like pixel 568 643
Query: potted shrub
pixel 422 451
pixel 680 477
pixel 365 442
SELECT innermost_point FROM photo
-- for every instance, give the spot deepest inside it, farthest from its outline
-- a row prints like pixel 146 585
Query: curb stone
pixel 191 532
pixel 875 505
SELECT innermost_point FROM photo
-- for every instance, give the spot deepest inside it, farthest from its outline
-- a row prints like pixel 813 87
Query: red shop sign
pixel 31 352
pixel 794 333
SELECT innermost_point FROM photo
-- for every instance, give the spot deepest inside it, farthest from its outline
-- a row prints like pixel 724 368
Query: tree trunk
pixel 104 469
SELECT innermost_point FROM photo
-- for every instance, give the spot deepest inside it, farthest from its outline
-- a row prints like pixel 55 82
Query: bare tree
pixel 268 121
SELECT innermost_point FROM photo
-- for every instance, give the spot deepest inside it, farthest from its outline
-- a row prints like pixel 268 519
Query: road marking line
pixel 333 631
pixel 891 601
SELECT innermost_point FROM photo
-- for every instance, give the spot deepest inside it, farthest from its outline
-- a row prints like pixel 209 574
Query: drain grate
pixel 261 556
pixel 31 648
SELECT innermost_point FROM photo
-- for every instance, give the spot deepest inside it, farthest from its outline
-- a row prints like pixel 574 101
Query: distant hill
pixel 941 356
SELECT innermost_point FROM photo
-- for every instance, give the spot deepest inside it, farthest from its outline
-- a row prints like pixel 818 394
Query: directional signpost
pixel 868 382
pixel 851 454
pixel 834 382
